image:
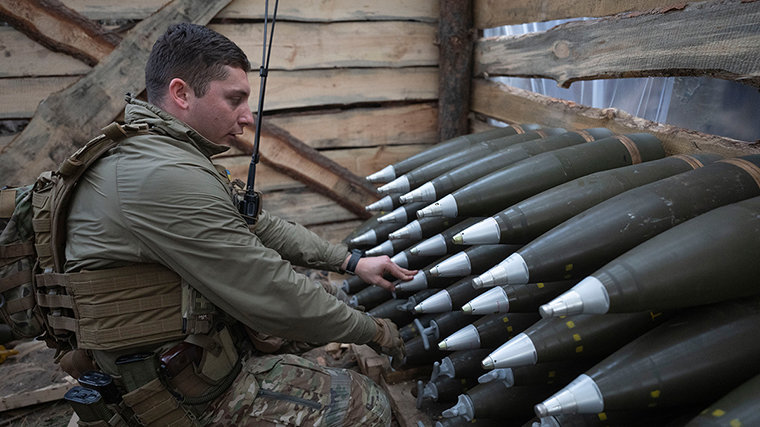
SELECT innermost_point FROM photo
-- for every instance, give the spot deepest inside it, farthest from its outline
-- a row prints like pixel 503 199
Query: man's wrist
pixel 353 261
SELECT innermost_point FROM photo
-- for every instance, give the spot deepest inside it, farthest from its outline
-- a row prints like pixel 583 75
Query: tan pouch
pixel 115 421
pixel 153 405
pixel 219 355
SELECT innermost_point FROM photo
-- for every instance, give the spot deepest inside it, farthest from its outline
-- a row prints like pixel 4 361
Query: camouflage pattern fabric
pixel 18 229
pixel 287 390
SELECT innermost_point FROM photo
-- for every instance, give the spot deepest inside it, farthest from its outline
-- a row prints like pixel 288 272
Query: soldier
pixel 157 202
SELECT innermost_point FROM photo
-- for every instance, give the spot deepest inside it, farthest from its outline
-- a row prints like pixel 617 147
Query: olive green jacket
pixel 158 199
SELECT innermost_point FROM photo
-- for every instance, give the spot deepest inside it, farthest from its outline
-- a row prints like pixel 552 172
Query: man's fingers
pixel 385 284
pixel 401 273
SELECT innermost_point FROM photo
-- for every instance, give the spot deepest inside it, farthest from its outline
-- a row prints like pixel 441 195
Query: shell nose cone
pixel 423 193
pixel 398 185
pixel 446 207
pixel 398 215
pixel 454 266
pixel 417 283
pixel 485 232
pixel 384 204
pixel 581 396
pixel 385 174
pixel 519 351
pixel 437 303
pixel 589 296
pixel 492 301
pixel 368 238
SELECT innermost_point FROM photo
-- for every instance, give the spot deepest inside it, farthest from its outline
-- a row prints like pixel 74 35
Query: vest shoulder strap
pixel 62 182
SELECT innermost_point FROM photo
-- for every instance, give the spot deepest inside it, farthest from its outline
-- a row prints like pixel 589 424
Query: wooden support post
pixel 455 67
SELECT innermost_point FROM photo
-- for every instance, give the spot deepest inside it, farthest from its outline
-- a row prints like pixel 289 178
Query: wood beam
pixel 360 161
pixel 455 67
pixel 69 118
pixel 23 57
pixel 302 10
pixel 514 105
pixel 35 397
pixel 717 39
pixel 299 46
pixel 55 26
pixel 495 13
pixel 288 155
pixel 341 86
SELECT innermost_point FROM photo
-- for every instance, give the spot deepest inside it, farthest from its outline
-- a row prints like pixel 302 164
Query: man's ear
pixel 180 93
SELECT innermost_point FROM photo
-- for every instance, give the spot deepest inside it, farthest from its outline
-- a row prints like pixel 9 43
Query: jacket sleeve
pixel 182 214
pixel 299 245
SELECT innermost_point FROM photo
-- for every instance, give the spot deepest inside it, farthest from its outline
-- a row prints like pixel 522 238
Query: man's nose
pixel 246 118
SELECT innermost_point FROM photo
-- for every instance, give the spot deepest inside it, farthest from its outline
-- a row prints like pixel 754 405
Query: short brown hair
pixel 193 53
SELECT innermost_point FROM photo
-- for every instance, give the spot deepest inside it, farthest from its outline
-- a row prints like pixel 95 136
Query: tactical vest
pixel 96 310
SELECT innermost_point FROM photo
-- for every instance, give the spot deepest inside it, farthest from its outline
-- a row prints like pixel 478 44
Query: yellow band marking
pixel 746 166
pixel 690 160
pixel 632 148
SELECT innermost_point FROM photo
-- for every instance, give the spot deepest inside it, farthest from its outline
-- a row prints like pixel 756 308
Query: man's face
pixel 222 112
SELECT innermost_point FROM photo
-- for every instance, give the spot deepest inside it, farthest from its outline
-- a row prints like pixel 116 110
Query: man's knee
pixel 294 391
pixel 369 403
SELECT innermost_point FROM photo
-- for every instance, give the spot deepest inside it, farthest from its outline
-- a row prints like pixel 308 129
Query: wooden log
pixel 359 161
pixel 69 118
pixel 391 44
pixel 495 13
pixel 20 97
pixel 302 10
pixel 514 105
pixel 34 397
pixel 5 140
pixel 312 88
pixel 59 28
pixel 717 39
pixel 286 154
pixel 455 67
pixel 365 161
pixel 23 57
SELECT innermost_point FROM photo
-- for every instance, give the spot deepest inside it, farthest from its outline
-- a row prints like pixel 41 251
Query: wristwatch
pixel 353 261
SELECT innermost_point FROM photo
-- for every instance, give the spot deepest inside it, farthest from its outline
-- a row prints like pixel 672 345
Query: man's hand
pixel 373 269
pixel 389 340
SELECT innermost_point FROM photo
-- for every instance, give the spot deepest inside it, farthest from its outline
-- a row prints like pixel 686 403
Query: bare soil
pixel 32 369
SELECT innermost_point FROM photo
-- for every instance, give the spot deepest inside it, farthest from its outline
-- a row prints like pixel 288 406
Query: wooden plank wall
pixel 631 39
pixel 356 80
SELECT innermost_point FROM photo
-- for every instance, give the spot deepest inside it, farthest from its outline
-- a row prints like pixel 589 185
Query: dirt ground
pixel 33 368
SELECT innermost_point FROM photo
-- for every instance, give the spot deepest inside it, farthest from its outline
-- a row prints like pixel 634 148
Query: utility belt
pixel 137 306
pixel 161 390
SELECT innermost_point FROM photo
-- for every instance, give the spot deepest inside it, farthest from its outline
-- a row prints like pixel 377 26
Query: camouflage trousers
pixel 288 390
